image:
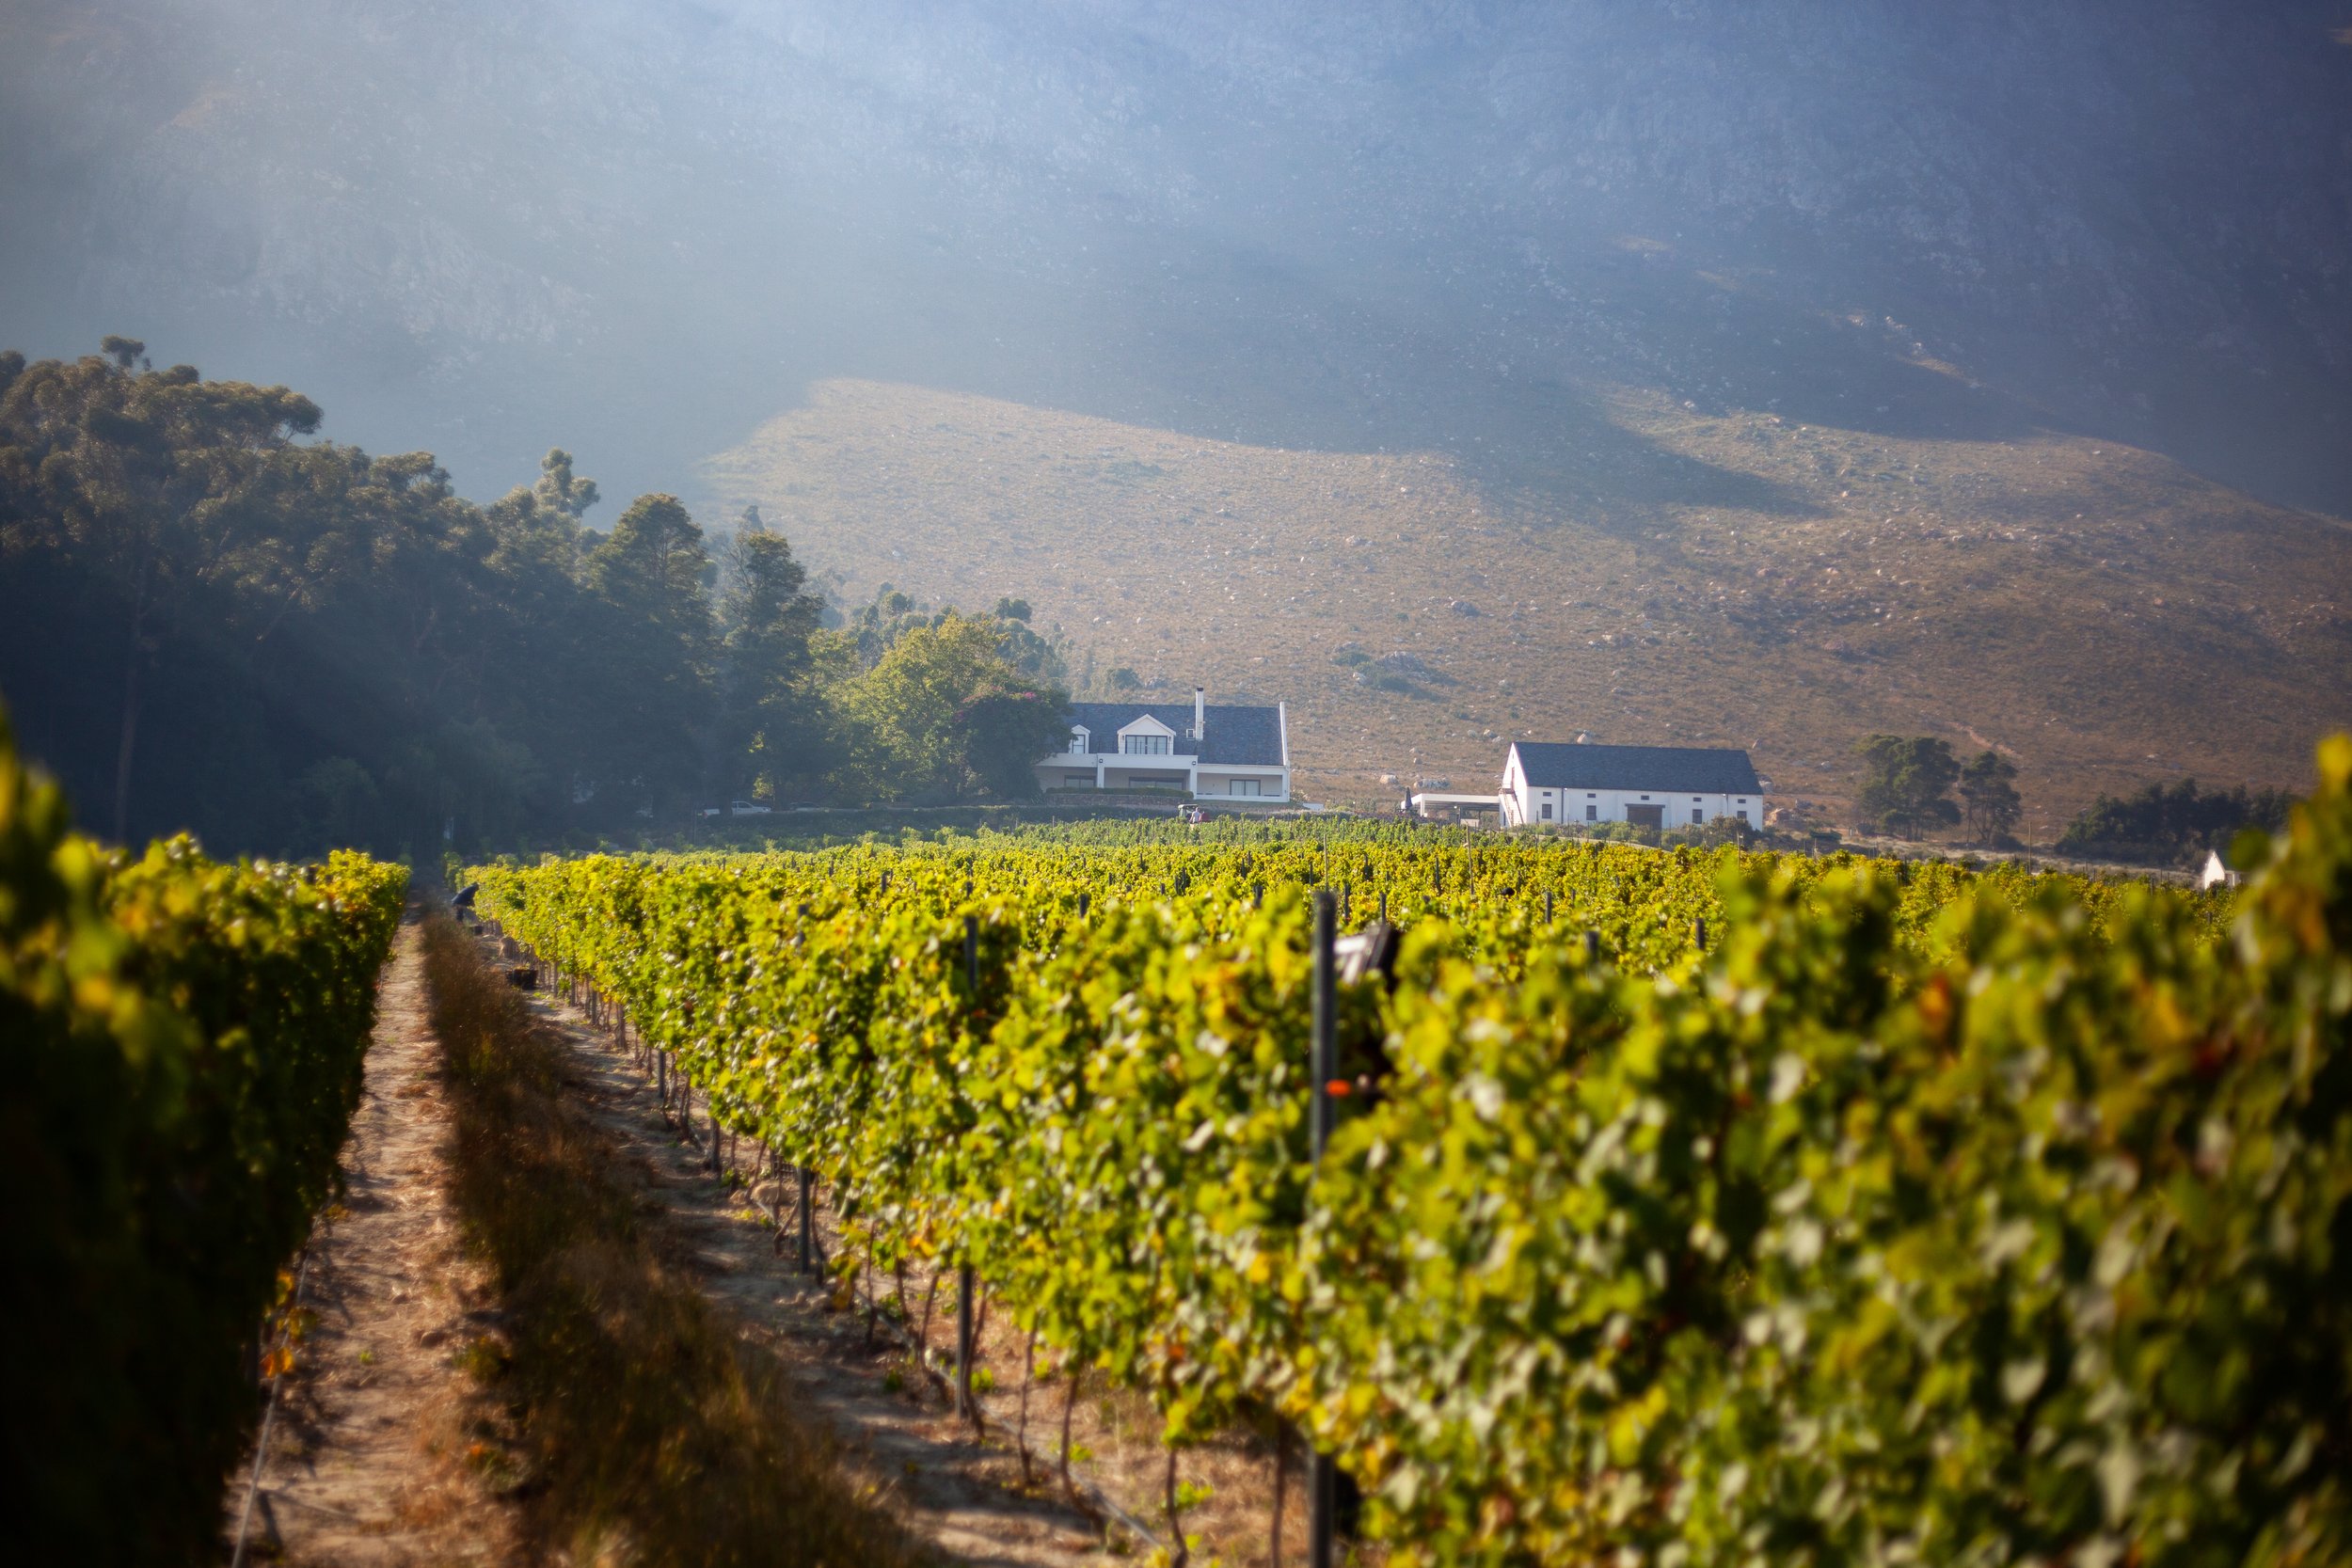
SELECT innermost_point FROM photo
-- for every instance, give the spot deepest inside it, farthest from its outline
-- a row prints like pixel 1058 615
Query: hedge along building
pixel 1225 753
pixel 1650 786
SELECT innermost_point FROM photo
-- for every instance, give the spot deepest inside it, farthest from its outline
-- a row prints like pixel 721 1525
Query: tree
pixel 337 803
pixel 123 483
pixel 281 642
pixel 772 715
pixel 653 655
pixel 558 490
pixel 943 709
pixel 1003 732
pixel 1906 784
pixel 2172 824
pixel 1989 798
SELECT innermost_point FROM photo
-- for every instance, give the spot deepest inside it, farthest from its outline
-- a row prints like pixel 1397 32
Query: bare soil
pixel 1687 578
pixel 371 1458
pixel 966 1494
pixel 366 1462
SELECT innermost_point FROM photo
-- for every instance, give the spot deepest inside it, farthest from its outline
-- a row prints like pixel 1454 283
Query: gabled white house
pixel 1214 752
pixel 1654 786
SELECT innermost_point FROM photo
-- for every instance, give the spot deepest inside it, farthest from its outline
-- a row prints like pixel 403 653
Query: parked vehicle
pixel 748 808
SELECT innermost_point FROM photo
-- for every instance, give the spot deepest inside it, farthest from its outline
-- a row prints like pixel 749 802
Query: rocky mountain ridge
pixel 639 230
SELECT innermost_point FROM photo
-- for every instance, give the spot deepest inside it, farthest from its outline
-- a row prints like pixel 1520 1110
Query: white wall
pixel 1215 783
pixel 1523 805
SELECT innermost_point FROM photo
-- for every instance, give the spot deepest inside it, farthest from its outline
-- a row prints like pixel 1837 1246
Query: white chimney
pixel 1199 714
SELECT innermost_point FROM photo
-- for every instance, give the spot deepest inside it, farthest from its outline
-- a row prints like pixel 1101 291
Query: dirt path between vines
pixel 365 1468
pixel 965 1496
pixel 970 1498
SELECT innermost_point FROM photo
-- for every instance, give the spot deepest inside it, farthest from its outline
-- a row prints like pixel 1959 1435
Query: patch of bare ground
pixel 365 1451
pixel 636 1422
pixel 848 1352
pixel 1686 578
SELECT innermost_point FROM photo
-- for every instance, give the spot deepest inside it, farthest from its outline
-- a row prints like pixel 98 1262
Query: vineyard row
pixel 183 1043
pixel 1921 1216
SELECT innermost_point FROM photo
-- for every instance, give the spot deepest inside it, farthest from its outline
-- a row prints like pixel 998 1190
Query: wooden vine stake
pixel 808 1218
pixel 1069 1407
pixel 965 1336
pixel 1281 1484
pixel 1322 1476
pixel 1180 1554
pixel 1028 1378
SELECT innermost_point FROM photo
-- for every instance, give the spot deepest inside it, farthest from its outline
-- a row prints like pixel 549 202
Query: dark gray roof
pixel 1239 735
pixel 1692 770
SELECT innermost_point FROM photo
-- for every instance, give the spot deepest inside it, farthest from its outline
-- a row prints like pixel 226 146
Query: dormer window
pixel 1080 742
pixel 1146 736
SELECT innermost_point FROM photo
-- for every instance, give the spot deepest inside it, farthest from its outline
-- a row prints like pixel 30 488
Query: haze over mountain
pixel 1569 252
pixel 640 228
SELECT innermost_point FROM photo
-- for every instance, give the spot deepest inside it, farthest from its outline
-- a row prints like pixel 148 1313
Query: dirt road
pixel 366 1456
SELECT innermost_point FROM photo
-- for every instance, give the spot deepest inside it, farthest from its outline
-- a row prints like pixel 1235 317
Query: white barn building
pixel 1221 752
pixel 1652 786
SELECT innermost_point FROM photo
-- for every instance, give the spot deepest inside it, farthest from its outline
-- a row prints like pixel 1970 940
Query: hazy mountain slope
pixel 1553 268
pixel 638 229
pixel 2098 613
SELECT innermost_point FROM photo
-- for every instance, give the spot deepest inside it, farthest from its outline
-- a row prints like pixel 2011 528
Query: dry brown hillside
pixel 2100 614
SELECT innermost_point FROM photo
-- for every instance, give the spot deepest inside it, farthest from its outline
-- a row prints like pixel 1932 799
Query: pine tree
pixel 1906 784
pixel 1989 796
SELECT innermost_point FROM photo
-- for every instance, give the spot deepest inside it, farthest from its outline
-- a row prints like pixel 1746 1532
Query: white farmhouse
pixel 1650 786
pixel 1223 752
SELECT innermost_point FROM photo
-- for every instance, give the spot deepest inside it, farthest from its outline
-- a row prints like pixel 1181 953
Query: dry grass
pixel 642 1430
pixel 1728 576
pixel 1114 1432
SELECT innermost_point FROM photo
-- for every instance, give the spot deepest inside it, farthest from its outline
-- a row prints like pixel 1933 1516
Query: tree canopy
pixel 1989 799
pixel 216 622
pixel 1906 784
pixel 947 711
pixel 2171 823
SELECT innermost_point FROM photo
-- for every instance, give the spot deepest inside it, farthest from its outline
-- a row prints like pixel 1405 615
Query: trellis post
pixel 1322 1476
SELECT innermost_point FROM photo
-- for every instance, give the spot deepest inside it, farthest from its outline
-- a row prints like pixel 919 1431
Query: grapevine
pixel 183 1045
pixel 1907 1212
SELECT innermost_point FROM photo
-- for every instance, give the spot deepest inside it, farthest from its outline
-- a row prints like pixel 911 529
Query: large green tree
pixel 1988 795
pixel 652 658
pixel 773 731
pixel 946 712
pixel 1906 784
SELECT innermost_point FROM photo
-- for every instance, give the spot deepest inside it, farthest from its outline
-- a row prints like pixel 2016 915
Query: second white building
pixel 1650 786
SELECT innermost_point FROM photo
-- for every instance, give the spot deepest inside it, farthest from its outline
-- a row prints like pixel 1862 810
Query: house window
pixel 1244 786
pixel 1078 741
pixel 1741 814
pixel 1547 811
pixel 1592 812
pixel 1144 745
pixel 1698 817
